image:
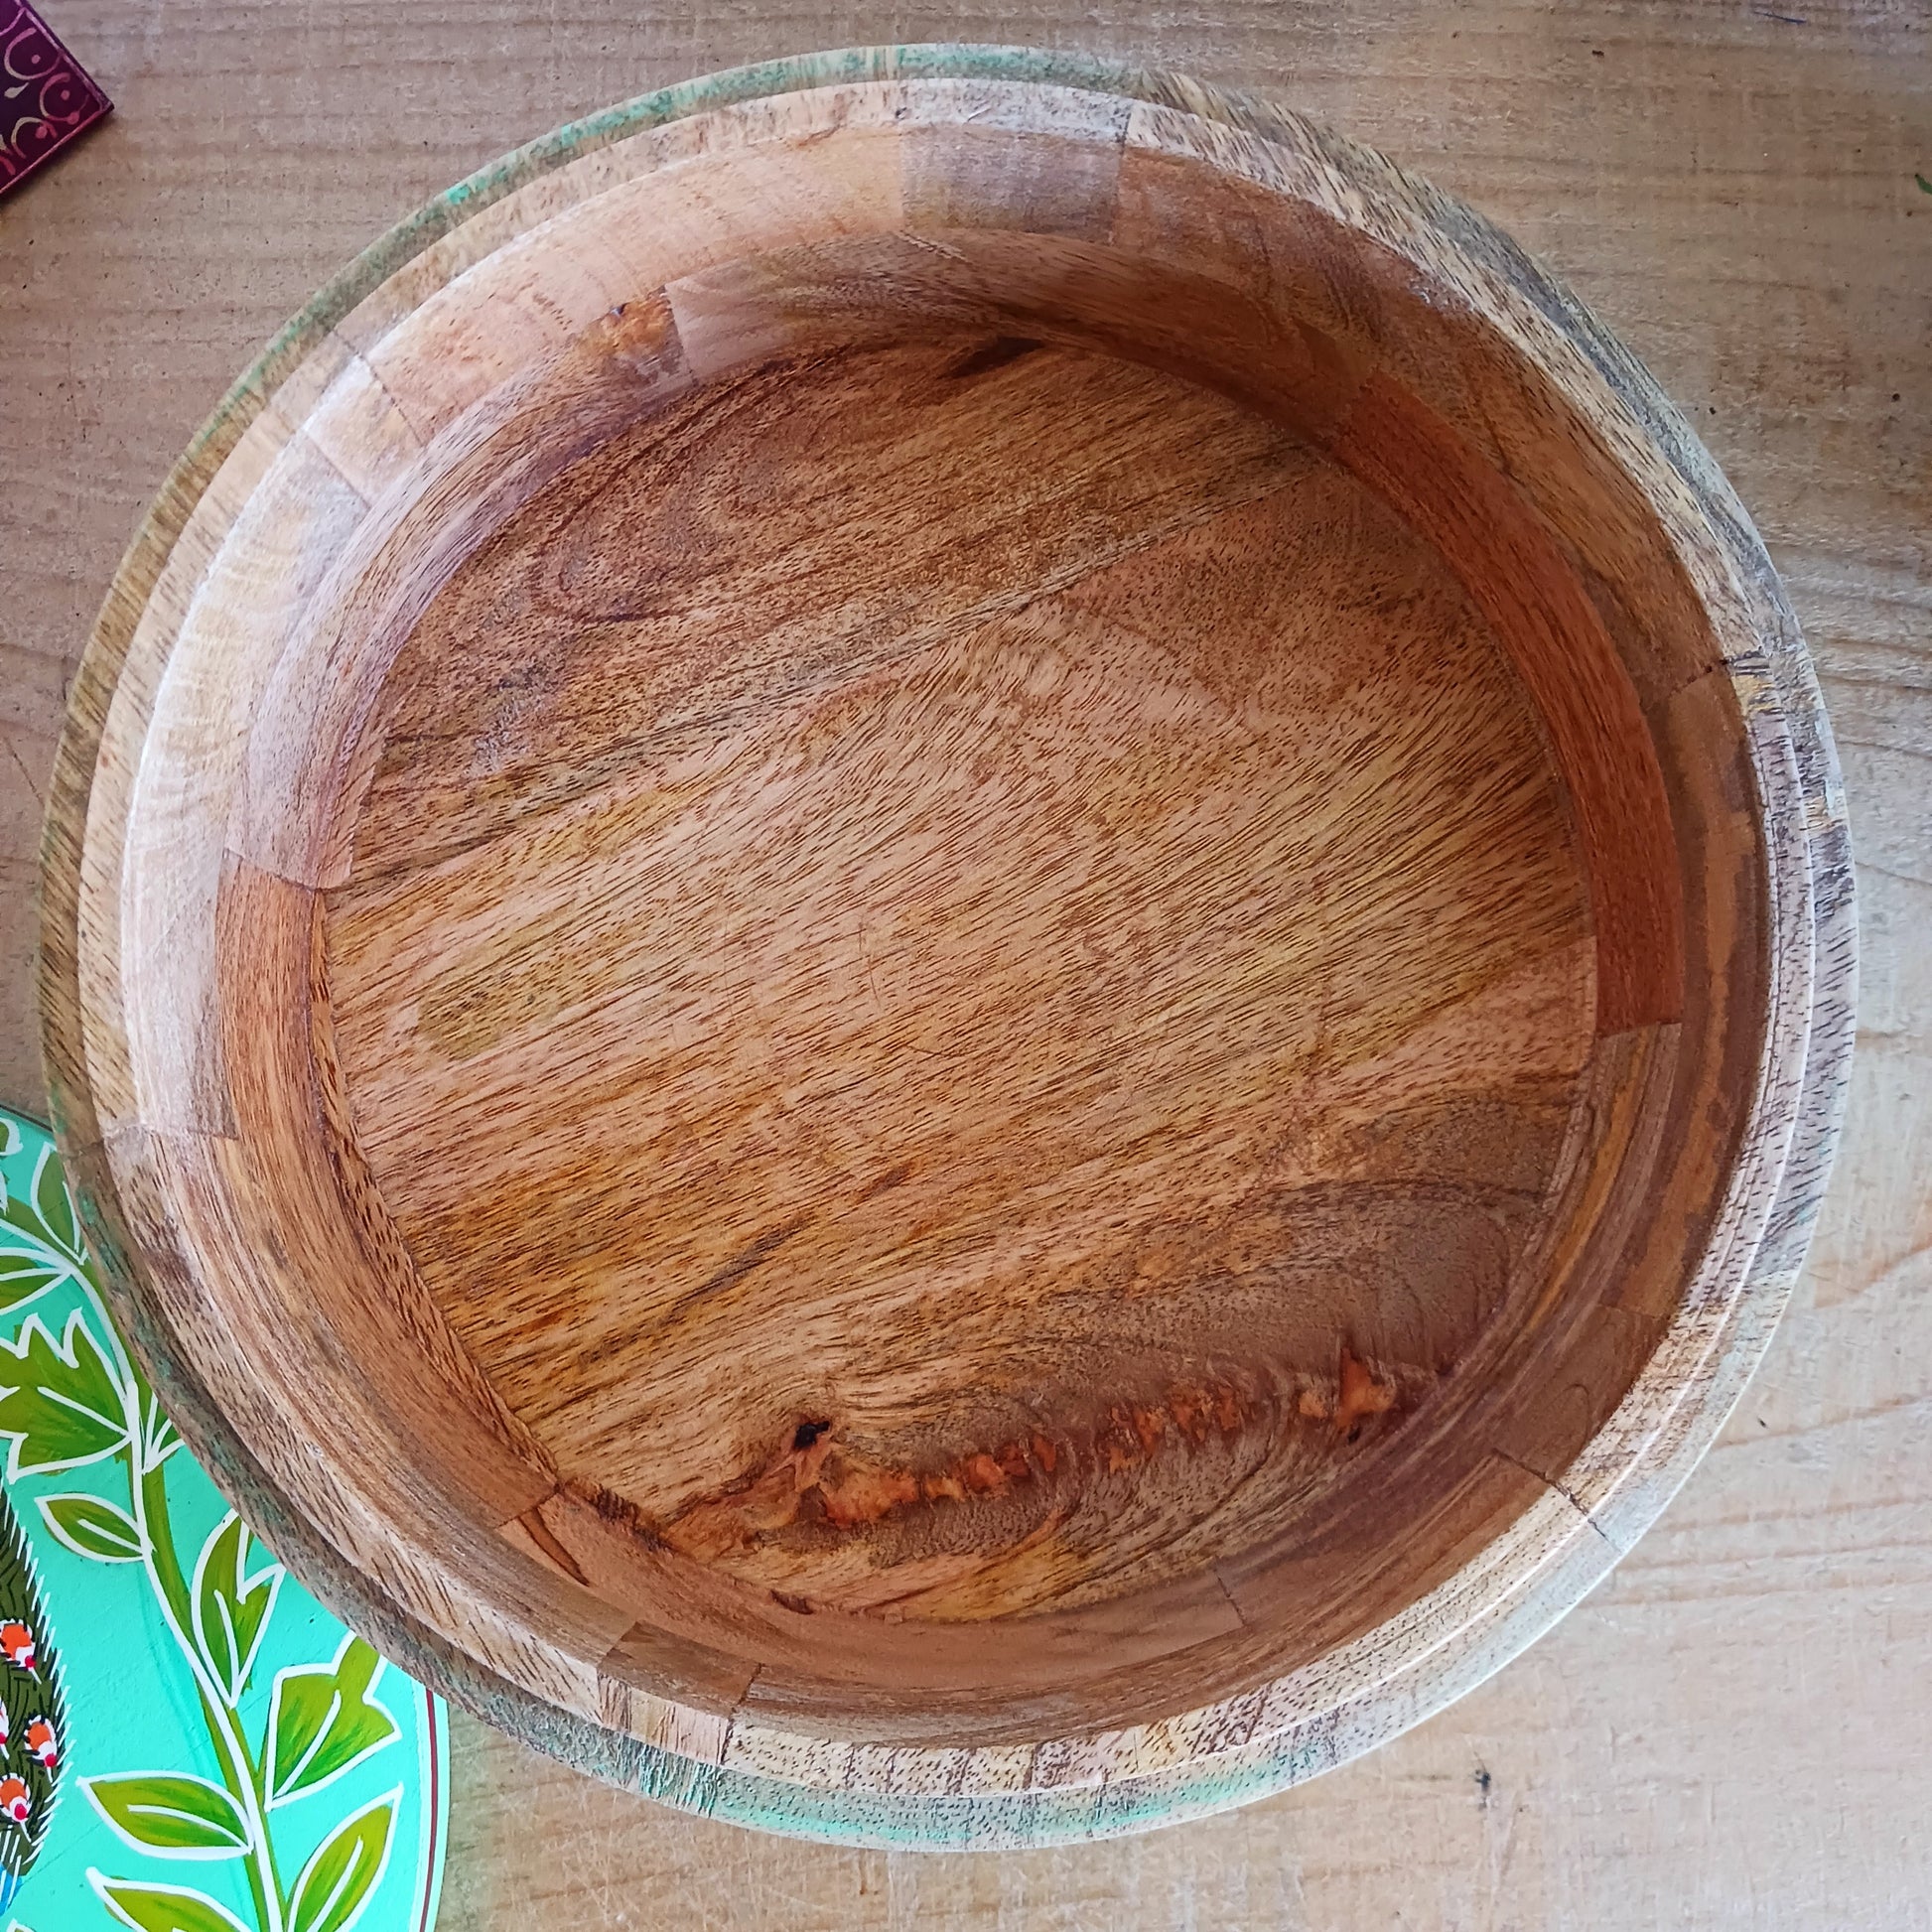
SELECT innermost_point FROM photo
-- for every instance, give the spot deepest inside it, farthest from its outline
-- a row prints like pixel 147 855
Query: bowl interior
pixel 965 973
pixel 991 969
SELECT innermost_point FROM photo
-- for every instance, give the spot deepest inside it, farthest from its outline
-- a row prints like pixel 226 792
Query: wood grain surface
pixel 1729 1734
pixel 940 920
pixel 1252 1347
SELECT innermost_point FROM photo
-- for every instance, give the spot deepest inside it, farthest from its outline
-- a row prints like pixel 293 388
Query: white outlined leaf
pixel 60 1402
pixel 162 1908
pixel 232 1604
pixel 170 1813
pixel 346 1870
pixel 92 1527
pixel 321 1721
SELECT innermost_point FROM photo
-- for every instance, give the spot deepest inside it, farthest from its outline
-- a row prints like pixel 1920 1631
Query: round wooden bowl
pixel 948 947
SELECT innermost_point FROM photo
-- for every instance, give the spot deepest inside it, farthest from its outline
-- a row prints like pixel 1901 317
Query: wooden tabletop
pixel 1736 1729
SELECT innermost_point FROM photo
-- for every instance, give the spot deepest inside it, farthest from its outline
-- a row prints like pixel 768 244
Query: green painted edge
pixel 947 1822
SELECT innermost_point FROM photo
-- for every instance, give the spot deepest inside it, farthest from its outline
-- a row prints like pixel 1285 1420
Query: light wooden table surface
pixel 1736 1729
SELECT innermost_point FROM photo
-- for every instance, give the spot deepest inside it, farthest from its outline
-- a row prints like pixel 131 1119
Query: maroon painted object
pixel 47 100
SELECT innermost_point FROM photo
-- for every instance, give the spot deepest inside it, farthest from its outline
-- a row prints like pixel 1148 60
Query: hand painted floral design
pixel 76 1406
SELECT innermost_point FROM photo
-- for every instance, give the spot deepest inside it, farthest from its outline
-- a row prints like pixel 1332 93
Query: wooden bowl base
pixel 964 972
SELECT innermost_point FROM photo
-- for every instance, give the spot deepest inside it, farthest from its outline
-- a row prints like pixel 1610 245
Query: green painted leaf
pixel 59 1402
pixel 163 1908
pixel 337 1883
pixel 321 1721
pixel 52 1204
pixel 92 1527
pixel 44 1215
pixel 171 1813
pixel 40 1240
pixel 231 1607
pixel 24 1276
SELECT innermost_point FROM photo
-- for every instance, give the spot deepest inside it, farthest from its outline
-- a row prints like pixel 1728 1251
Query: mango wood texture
pixel 950 946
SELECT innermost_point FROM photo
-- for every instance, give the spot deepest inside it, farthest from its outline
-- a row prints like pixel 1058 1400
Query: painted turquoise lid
pixel 188 1743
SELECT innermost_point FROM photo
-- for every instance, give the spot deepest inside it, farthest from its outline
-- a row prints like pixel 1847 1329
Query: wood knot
pixel 1358 1394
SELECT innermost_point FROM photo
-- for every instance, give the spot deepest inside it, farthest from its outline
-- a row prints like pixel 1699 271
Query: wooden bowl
pixel 949 946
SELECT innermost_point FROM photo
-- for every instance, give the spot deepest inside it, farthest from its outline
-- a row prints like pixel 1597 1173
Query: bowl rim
pixel 1756 1248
